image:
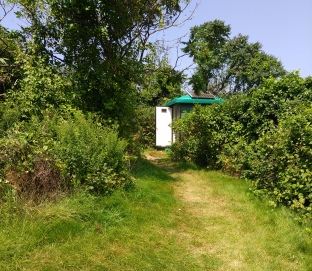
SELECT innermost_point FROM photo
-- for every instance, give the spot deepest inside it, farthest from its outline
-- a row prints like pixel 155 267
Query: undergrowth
pixel 263 134
pixel 41 158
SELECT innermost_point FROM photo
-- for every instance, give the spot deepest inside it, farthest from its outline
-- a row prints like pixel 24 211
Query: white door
pixel 163 129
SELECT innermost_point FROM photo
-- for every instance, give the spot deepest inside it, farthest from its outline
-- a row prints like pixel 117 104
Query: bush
pixel 40 158
pixel 145 126
pixel 283 164
pixel 25 164
pixel 92 155
pixel 264 135
pixel 198 138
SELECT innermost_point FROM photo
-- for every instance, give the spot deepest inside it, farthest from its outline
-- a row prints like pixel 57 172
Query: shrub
pixel 199 137
pixel 283 164
pixel 264 135
pixel 25 164
pixel 40 158
pixel 144 129
pixel 235 158
pixel 92 155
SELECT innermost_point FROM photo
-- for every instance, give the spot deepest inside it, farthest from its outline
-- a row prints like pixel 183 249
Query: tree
pixel 161 82
pixel 227 64
pixel 9 69
pixel 101 43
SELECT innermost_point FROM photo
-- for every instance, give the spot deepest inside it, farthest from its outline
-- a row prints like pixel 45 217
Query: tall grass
pixel 125 231
pixel 155 227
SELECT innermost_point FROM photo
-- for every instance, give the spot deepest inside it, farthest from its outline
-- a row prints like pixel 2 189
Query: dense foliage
pixel 9 69
pixel 41 158
pixel 160 82
pixel 263 135
pixel 226 64
pixel 101 45
pixel 71 81
pixel 78 86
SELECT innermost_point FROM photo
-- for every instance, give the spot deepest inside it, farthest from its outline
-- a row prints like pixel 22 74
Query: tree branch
pixel 6 8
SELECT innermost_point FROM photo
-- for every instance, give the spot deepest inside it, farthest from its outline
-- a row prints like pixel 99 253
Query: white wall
pixel 163 129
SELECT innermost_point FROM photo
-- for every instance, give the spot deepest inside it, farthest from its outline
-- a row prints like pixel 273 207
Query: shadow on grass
pixel 145 169
pixel 159 169
pixel 171 167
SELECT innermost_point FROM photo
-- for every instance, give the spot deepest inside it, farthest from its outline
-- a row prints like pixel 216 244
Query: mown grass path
pixel 176 218
pixel 226 228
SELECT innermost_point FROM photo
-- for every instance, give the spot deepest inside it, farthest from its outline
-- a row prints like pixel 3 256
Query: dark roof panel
pixel 201 95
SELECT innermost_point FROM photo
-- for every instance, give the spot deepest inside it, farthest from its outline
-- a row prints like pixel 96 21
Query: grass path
pixel 177 218
pixel 228 229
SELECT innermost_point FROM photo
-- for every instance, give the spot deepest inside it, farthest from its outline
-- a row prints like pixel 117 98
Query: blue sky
pixel 283 27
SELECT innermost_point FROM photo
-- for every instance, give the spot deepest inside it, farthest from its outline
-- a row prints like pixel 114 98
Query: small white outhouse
pixel 175 109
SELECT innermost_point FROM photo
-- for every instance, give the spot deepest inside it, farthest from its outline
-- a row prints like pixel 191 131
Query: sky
pixel 283 27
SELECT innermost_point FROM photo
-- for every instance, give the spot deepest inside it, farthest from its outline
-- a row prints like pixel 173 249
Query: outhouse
pixel 175 109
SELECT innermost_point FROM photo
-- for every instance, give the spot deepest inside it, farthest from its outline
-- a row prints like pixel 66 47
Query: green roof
pixel 187 99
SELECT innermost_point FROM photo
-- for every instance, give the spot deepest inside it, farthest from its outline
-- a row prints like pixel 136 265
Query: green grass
pixel 244 233
pixel 176 218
